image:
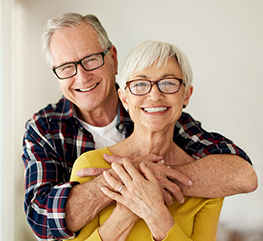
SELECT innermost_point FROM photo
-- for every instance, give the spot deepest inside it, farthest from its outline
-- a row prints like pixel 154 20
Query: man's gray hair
pixel 72 20
pixel 147 53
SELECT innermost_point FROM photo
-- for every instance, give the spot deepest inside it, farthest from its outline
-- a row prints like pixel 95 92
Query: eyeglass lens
pixel 142 87
pixel 88 63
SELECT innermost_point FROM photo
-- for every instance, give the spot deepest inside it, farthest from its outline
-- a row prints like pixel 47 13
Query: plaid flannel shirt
pixel 53 140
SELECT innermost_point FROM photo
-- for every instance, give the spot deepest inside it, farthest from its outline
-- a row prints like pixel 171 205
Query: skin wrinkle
pixel 220 187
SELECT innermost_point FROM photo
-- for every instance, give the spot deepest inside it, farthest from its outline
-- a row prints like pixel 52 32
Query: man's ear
pixel 123 99
pixel 188 94
pixel 114 57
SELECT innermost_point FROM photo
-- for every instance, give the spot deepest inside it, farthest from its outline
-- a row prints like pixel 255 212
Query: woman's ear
pixel 188 94
pixel 123 99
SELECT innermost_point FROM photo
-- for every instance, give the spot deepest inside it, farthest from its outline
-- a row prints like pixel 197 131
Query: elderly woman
pixel 155 86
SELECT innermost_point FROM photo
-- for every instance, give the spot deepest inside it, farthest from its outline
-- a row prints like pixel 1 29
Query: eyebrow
pixel 163 76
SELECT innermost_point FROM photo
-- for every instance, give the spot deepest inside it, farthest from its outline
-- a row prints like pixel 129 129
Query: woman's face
pixel 157 111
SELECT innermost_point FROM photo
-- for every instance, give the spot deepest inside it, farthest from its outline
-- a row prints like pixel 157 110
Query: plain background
pixel 223 40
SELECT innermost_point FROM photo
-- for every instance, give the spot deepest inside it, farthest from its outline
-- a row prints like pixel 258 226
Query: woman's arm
pixel 118 225
pixel 142 195
pixel 206 221
pixel 121 221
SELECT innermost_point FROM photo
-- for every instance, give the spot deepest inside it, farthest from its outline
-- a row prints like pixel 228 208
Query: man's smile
pixel 88 89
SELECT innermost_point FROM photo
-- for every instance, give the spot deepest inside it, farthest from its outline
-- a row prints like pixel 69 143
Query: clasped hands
pixel 169 179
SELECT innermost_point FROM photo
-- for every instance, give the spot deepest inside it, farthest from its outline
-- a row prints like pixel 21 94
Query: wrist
pixel 160 223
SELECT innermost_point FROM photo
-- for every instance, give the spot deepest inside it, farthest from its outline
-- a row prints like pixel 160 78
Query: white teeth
pixel 157 109
pixel 92 87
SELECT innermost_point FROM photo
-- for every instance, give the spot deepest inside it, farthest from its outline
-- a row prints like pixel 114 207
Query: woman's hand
pixel 169 179
pixel 142 195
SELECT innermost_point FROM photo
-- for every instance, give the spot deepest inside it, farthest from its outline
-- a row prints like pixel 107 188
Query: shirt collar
pixel 124 123
pixel 65 110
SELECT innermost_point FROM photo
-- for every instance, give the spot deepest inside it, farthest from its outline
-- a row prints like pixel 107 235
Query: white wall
pixel 223 40
pixel 1 119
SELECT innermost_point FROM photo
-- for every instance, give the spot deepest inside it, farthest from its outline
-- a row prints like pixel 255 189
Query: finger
pixel 154 158
pixel 114 183
pixel 90 172
pixel 113 195
pixel 171 187
pixel 150 158
pixel 160 162
pixel 175 190
pixel 178 176
pixel 131 170
pixel 148 173
pixel 111 159
pixel 167 197
pixel 122 172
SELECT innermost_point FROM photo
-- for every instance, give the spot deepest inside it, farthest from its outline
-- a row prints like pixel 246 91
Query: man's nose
pixel 82 74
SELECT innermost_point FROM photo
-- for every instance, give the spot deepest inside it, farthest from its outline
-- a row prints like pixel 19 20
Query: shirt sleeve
pixel 46 187
pixel 198 143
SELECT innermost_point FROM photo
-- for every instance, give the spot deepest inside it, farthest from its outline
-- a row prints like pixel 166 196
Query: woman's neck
pixel 142 142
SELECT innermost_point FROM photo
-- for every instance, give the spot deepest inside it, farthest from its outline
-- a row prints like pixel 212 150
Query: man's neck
pixel 101 116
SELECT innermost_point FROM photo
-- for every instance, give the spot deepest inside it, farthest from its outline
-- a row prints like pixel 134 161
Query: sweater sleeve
pixel 204 225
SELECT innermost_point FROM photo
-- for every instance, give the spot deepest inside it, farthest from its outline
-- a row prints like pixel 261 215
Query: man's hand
pixel 162 173
pixel 96 171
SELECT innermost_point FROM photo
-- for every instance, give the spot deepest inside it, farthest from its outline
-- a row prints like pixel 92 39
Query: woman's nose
pixel 155 94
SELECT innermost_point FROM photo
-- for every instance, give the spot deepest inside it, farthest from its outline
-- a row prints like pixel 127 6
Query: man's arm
pixel 218 176
pixel 221 168
pixel 211 177
pixel 45 190
pixel 84 202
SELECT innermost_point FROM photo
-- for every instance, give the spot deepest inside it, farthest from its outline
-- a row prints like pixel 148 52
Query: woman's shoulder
pixel 94 158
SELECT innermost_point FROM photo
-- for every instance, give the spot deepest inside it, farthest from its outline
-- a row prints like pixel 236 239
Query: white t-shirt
pixel 106 135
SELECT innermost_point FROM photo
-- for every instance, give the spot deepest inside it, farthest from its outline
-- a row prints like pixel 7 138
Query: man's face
pixel 88 90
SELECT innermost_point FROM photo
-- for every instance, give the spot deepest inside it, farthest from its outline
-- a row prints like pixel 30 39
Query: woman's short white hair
pixel 72 20
pixel 147 53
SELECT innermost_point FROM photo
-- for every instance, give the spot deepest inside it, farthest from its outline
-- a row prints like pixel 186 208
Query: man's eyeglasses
pixel 88 63
pixel 144 86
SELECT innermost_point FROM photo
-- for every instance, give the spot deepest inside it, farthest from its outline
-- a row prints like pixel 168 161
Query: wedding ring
pixel 119 190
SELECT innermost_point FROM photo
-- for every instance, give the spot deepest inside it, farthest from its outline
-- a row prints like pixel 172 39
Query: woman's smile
pixel 155 109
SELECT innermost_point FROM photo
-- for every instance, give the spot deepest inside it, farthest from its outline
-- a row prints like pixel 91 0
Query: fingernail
pixel 78 173
pixel 182 200
pixel 190 183
pixel 162 161
pixel 143 164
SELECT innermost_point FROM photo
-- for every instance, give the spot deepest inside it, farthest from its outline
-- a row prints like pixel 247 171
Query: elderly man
pixel 89 116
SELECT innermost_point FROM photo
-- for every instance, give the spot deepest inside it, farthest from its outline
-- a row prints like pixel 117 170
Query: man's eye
pixel 67 68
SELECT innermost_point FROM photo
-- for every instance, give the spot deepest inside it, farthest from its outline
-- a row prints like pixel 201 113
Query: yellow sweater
pixel 196 219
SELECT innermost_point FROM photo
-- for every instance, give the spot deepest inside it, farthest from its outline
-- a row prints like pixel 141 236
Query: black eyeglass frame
pixel 80 62
pixel 152 83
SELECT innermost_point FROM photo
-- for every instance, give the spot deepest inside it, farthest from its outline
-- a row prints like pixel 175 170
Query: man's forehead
pixel 73 43
pixel 75 32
